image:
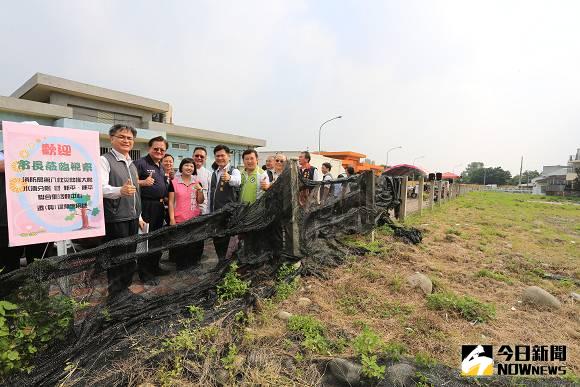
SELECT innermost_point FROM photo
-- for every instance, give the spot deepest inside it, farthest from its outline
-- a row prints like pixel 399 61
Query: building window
pixel 180 145
pixel 134 154
pixel 158 117
pixel 104 117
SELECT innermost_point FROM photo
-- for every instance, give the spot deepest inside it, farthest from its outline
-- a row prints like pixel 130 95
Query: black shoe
pixel 151 282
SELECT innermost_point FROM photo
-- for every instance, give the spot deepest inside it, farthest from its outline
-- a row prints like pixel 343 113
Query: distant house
pixel 552 181
pixel 352 159
pixel 572 183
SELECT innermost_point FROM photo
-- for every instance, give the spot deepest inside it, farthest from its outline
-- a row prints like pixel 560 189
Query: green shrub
pixel 31 325
pixel 468 307
pixel 423 359
pixel 366 345
pixel 367 342
pixel 197 313
pixel 312 332
pixel 370 367
pixel 232 286
pixel 395 351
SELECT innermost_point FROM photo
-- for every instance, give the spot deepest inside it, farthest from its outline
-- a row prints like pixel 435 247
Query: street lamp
pixel 417 158
pixel 320 130
pixel 397 147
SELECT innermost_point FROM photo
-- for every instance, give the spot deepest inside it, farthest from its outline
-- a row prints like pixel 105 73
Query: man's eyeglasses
pixel 161 150
pixel 199 156
pixel 125 138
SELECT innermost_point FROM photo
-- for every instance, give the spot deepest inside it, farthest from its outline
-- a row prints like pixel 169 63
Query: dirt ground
pixel 514 238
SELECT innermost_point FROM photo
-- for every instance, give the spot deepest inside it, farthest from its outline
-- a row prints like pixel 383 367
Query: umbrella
pixel 404 170
pixel 450 175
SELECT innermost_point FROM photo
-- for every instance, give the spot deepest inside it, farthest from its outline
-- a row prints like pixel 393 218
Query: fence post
pixel 370 191
pixel 439 192
pixel 431 194
pixel 403 206
pixel 420 194
pixel 294 229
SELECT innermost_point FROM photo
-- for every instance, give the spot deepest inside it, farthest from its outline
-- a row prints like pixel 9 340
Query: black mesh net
pixel 294 219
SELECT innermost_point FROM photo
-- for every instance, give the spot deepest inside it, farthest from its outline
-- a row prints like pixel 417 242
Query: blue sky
pixel 453 81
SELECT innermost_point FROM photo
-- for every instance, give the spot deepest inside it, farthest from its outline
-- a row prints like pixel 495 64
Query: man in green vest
pixel 254 180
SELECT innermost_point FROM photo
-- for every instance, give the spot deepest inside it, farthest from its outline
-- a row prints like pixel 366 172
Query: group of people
pixel 148 194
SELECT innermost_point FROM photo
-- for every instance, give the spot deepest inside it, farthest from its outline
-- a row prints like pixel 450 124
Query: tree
pixel 471 168
pixel 84 201
pixel 490 176
pixel 527 176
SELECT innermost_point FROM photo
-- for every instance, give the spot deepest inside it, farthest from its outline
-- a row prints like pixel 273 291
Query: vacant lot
pixel 480 251
pixel 488 246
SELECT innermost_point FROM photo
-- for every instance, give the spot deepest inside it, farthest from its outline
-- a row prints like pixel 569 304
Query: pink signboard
pixel 53 183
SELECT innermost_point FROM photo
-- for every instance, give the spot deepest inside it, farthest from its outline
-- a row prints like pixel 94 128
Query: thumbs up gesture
pixel 128 189
pixel 226 176
pixel 149 181
pixel 264 184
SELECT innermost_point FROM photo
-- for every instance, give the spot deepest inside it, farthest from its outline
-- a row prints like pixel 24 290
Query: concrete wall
pixel 179 154
pixel 67 100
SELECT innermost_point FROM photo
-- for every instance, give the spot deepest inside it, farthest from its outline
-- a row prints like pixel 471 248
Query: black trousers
pixel 120 276
pixel 221 247
pixel 10 256
pixel 152 212
pixel 187 256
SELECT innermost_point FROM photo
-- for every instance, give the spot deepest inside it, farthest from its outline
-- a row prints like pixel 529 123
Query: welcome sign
pixel 53 183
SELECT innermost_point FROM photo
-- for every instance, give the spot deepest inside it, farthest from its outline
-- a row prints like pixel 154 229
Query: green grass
pixel 494 275
pixel 467 307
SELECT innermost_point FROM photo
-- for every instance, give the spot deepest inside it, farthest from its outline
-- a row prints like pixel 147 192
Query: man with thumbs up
pixel 153 192
pixel 122 203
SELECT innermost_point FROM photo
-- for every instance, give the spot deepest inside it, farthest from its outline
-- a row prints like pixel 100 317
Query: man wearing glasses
pixel 122 203
pixel 153 192
pixel 203 174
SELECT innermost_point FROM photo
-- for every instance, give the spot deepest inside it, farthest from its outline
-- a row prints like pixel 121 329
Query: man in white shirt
pixel 122 203
pixel 203 174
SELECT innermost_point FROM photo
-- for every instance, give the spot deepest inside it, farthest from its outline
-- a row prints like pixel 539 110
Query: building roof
pixel 344 155
pixel 38 109
pixel 204 134
pixel 40 86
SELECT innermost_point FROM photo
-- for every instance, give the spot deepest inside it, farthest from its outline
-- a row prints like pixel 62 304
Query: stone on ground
pixel 303 301
pixel 345 371
pixel 283 315
pixel 539 297
pixel 401 375
pixel 575 296
pixel 421 281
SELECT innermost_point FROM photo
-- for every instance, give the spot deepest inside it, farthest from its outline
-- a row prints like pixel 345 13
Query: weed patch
pixel 494 275
pixel 232 286
pixel 467 307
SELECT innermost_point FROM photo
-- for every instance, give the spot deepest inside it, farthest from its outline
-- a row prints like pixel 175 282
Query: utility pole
pixel 521 165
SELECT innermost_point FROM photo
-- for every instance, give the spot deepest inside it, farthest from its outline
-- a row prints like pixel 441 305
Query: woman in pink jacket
pixel 185 196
